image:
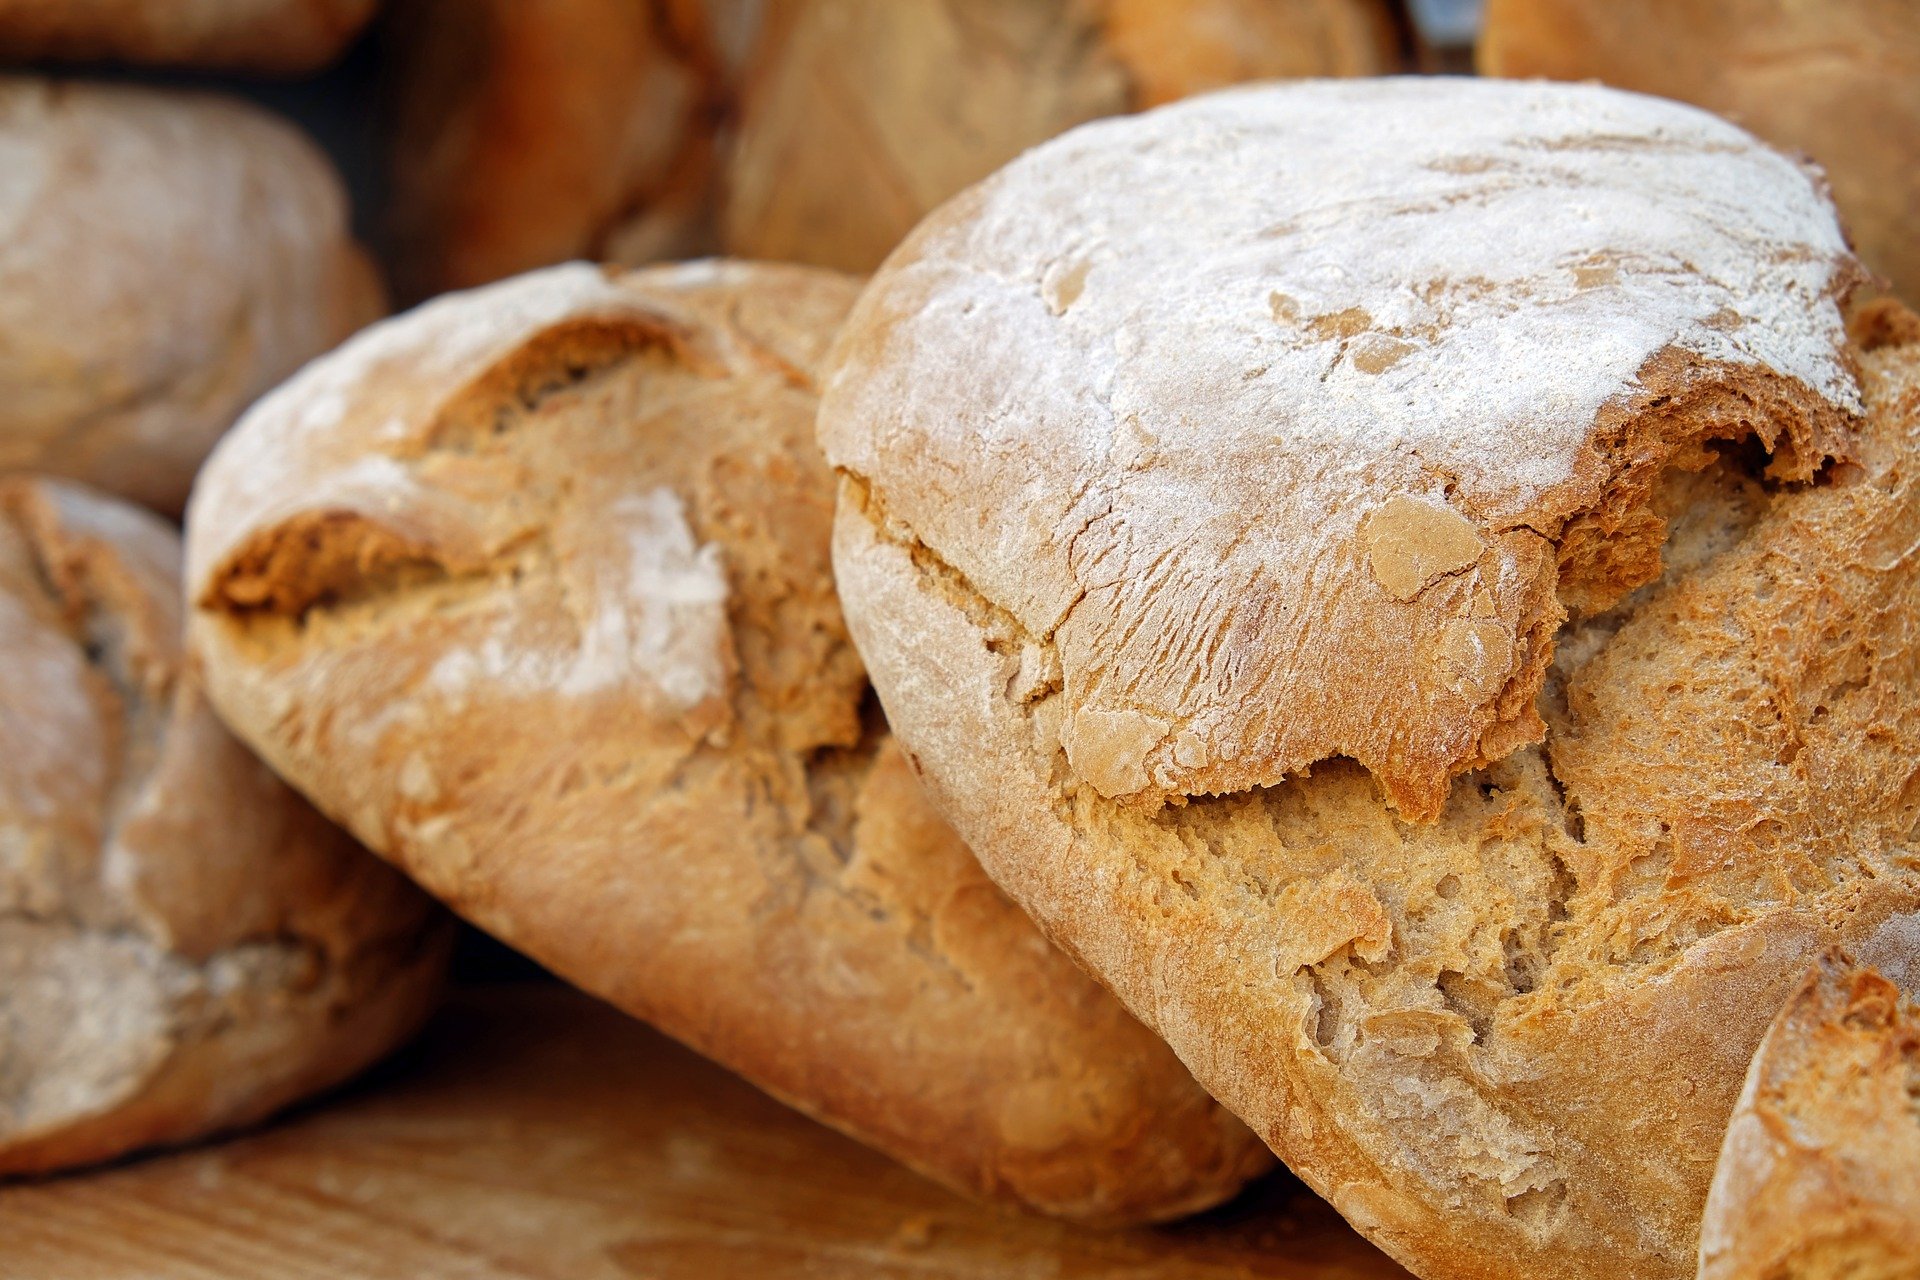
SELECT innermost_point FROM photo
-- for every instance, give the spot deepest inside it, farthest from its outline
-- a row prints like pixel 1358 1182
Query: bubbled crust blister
pixel 1503 1038
pixel 1819 1177
pixel 185 945
pixel 165 257
pixel 285 37
pixel 530 587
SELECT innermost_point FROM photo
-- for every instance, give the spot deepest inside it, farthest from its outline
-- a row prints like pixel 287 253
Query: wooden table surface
pixel 534 1134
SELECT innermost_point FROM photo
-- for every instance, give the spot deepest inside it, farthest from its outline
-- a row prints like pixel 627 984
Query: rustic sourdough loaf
pixel 1839 80
pixel 282 37
pixel 1819 1177
pixel 1409 582
pixel 185 945
pixel 165 257
pixel 530 588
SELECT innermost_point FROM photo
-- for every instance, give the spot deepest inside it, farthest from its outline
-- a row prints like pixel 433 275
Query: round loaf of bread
pixel 185 945
pixel 530 588
pixel 164 258
pixel 279 37
pixel 1839 80
pixel 1409 582
pixel 1819 1177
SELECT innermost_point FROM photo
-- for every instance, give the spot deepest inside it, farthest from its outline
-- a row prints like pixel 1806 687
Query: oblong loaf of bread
pixel 185 945
pixel 165 257
pixel 530 588
pixel 280 37
pixel 1819 1176
pixel 1411 582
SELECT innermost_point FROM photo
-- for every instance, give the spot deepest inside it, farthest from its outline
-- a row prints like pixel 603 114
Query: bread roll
pixel 185 945
pixel 1839 80
pixel 166 257
pixel 1408 582
pixel 859 116
pixel 1819 1176
pixel 533 132
pixel 280 37
pixel 530 588
pixel 528 133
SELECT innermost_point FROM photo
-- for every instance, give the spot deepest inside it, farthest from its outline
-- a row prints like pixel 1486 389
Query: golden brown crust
pixel 166 258
pixel 531 588
pixel 1819 1176
pixel 1839 81
pixel 1505 1041
pixel 279 37
pixel 185 945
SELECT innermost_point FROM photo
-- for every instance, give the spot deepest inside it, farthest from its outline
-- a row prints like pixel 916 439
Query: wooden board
pixel 534 1134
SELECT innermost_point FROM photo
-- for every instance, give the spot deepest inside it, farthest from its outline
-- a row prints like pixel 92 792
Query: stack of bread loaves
pixel 1412 584
pixel 813 131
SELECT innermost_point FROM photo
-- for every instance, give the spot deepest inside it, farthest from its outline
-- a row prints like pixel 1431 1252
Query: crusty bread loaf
pixel 859 116
pixel 1839 80
pixel 530 587
pixel 185 945
pixel 1233 499
pixel 532 133
pixel 1819 1176
pixel 164 258
pixel 282 37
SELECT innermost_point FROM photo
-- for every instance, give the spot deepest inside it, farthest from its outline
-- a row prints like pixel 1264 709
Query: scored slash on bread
pixel 530 588
pixel 1410 583
pixel 185 945
pixel 1819 1176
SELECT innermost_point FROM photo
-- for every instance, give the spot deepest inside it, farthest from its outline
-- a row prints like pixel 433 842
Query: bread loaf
pixel 814 130
pixel 281 37
pixel 166 257
pixel 530 588
pixel 185 945
pixel 1408 582
pixel 1839 80
pixel 1819 1177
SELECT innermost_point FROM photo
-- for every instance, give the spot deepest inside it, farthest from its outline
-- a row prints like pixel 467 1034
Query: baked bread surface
pixel 165 257
pixel 185 945
pixel 1409 584
pixel 1838 80
pixel 530 588
pixel 1819 1176
pixel 282 37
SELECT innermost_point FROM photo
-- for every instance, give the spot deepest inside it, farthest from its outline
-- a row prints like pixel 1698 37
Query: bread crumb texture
pixel 531 588
pixel 1457 761
pixel 1819 1176
pixel 185 945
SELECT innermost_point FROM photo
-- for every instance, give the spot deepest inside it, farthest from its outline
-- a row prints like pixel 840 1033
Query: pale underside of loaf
pixel 1819 1176
pixel 1491 493
pixel 184 945
pixel 530 588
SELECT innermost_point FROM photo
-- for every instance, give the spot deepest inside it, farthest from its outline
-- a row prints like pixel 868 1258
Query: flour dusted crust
pixel 283 37
pixel 857 117
pixel 1819 1177
pixel 1441 335
pixel 1838 80
pixel 165 258
pixel 527 134
pixel 185 945
pixel 530 587
pixel 1498 1019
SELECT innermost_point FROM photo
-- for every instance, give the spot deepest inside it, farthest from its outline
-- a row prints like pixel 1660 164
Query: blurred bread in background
pixel 817 131
pixel 1819 1177
pixel 1838 80
pixel 277 37
pixel 185 945
pixel 165 257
